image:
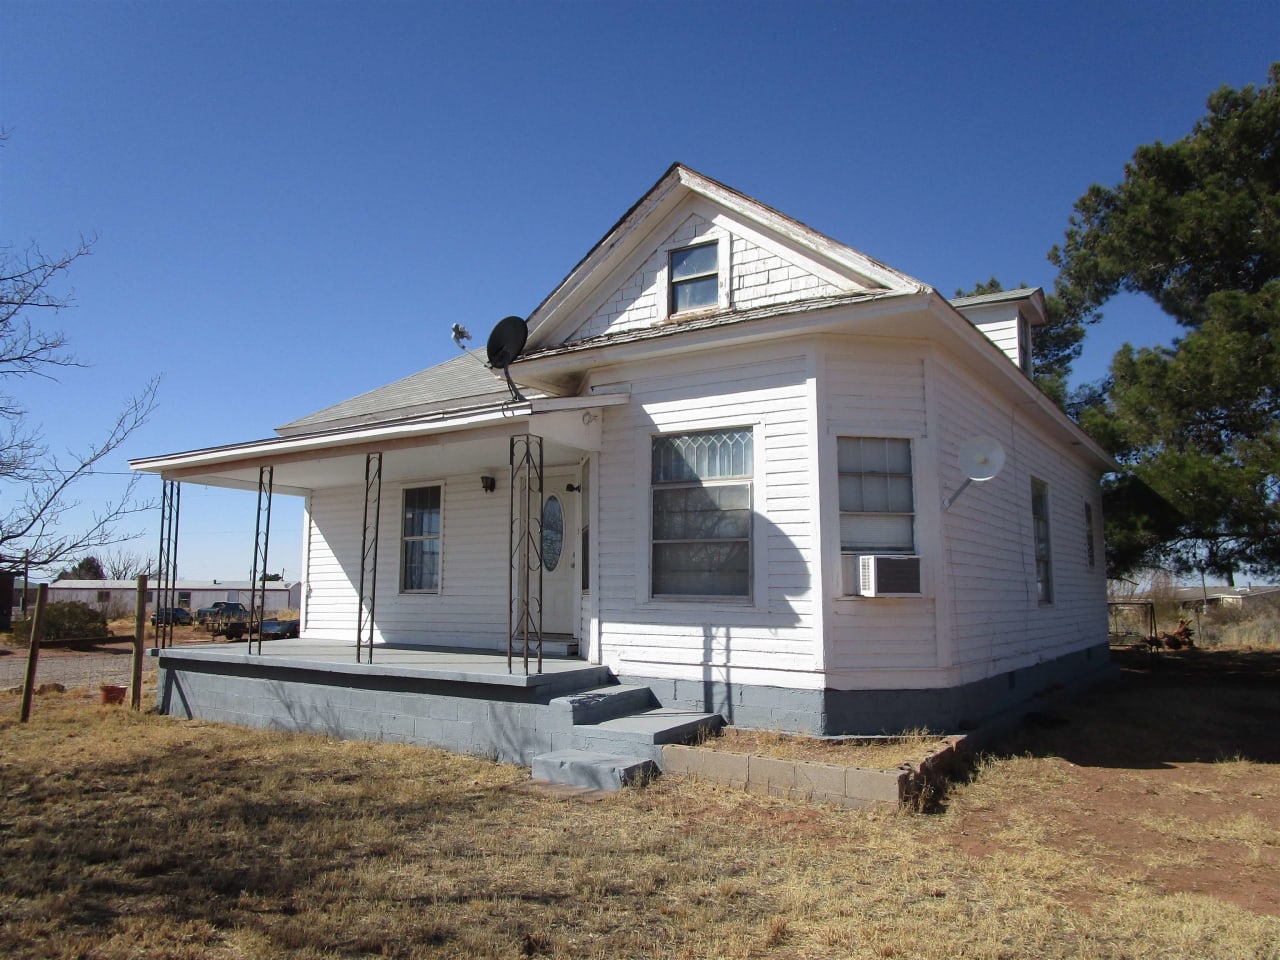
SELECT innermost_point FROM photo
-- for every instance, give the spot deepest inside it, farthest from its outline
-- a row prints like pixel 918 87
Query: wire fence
pixel 73 668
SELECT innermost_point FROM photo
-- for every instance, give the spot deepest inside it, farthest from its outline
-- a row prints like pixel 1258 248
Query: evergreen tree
pixel 87 568
pixel 1195 225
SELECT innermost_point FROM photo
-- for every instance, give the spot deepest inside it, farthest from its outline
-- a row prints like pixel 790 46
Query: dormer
pixel 1007 318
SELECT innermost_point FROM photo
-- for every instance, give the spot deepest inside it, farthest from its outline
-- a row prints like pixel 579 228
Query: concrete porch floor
pixel 462 665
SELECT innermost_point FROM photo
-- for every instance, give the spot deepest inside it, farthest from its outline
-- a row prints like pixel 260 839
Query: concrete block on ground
pixel 883 786
pixel 586 768
pixel 822 781
pixel 766 775
pixel 715 765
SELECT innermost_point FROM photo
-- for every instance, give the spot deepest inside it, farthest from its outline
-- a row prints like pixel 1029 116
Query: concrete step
pixel 599 704
pixel 550 648
pixel 645 732
pixel 592 769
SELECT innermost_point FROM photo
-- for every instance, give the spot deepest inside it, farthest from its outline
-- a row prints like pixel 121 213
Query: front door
pixel 559 555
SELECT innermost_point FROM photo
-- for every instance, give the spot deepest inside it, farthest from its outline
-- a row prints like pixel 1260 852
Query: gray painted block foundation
pixel 583 709
pixel 872 712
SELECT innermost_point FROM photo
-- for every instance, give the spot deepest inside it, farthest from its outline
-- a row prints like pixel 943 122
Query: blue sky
pixel 294 201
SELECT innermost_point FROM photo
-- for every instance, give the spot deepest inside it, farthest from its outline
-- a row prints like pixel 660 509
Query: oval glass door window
pixel 552 533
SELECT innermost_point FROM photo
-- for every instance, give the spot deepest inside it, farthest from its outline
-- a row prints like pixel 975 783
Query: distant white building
pixel 116 597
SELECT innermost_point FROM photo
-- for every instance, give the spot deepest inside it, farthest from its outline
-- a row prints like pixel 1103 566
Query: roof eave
pixel 996 359
pixel 329 442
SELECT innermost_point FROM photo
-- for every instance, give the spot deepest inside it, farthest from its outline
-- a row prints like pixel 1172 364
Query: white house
pixel 743 427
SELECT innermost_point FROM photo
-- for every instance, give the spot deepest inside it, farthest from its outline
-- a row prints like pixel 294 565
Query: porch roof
pixel 431 444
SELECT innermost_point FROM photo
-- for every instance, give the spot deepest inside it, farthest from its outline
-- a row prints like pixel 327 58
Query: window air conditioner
pixel 883 576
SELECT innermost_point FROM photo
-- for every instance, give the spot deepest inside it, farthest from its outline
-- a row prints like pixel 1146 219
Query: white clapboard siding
pixel 469 610
pixel 635 302
pixel 333 562
pixel 758 277
pixel 989 542
pixel 773 631
pixel 763 277
pixel 1004 334
pixel 879 390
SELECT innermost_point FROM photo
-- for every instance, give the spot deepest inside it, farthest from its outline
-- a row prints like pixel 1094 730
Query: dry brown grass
pixel 875 752
pixel 126 835
pixel 1226 631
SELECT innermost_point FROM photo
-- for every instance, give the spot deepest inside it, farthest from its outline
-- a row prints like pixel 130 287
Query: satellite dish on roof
pixel 506 340
pixel 981 458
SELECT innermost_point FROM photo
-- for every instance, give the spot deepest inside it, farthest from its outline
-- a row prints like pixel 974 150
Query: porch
pixel 465 700
pixel 392 484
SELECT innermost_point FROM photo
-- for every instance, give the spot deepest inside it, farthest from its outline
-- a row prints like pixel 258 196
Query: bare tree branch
pixel 36 486
pixel 126 565
pixel 32 525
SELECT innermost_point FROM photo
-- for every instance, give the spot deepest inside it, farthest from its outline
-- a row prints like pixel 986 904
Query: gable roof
pixel 876 299
pixel 677 186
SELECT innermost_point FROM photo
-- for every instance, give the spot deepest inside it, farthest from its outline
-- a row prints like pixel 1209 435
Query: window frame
pixel 674 284
pixel 438 537
pixel 744 480
pixel 1024 345
pixel 910 477
pixel 848 567
pixel 1090 540
pixel 1042 540
pixel 665 295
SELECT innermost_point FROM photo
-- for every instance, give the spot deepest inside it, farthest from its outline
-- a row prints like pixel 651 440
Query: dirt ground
pixel 1187 801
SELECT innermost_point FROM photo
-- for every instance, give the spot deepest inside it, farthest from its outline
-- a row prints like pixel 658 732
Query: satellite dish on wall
pixel 981 458
pixel 506 340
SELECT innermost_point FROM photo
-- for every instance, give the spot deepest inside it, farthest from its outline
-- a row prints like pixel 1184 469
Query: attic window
pixel 694 277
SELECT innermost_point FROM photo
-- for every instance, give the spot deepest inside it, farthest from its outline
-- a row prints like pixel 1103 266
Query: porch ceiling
pixel 480 445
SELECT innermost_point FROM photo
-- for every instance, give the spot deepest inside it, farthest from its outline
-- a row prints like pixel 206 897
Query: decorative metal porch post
pixel 167 560
pixel 369 553
pixel 524 580
pixel 261 540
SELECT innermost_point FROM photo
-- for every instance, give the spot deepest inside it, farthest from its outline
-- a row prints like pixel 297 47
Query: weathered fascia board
pixel 558 414
pixel 845 314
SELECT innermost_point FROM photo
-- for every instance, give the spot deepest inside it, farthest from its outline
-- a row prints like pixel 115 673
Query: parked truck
pixel 226 618
pixel 220 608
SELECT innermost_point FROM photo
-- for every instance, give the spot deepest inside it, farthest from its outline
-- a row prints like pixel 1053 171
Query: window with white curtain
pixel 701 523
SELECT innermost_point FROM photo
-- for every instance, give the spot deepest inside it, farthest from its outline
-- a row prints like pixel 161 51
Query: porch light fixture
pixel 488 484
